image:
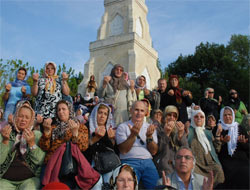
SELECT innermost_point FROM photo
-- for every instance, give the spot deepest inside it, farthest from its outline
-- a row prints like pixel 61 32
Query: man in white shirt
pixel 137 142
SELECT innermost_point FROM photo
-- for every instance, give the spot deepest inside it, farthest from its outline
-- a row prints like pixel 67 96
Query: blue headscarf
pixel 19 83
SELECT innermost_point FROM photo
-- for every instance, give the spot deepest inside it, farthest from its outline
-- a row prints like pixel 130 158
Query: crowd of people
pixel 120 135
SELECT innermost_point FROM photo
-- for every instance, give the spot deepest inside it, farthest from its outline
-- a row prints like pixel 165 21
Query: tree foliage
pixel 218 66
pixel 8 70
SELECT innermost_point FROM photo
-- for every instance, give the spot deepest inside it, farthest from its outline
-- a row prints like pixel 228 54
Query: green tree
pixel 218 66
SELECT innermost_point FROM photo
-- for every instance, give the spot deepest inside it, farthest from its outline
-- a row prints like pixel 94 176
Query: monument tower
pixel 123 38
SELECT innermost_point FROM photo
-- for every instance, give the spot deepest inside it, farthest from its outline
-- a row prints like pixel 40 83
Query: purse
pixel 106 161
pixel 69 164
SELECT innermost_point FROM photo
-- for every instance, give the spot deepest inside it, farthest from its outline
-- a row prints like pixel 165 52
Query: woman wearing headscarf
pixel 171 136
pixel 66 129
pixel 123 177
pixel 209 105
pixel 21 158
pixel 237 105
pixel 179 97
pixel 204 147
pixel 142 92
pixel 234 154
pixel 16 91
pixel 102 134
pixel 48 90
pixel 115 90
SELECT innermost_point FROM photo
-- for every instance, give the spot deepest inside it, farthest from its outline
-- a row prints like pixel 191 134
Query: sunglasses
pixel 210 92
pixel 232 93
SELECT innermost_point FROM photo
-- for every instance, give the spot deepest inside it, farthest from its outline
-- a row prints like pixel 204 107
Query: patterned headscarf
pixel 118 83
pixel 202 138
pixel 50 83
pixel 61 126
pixel 93 119
pixel 19 137
pixel 137 82
pixel 232 130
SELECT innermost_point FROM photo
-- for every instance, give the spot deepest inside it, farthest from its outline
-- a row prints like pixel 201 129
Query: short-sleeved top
pixel 138 150
pixel 16 94
pixel 45 101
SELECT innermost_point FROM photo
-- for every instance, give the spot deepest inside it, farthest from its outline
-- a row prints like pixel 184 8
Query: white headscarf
pixel 232 130
pixel 93 119
pixel 202 138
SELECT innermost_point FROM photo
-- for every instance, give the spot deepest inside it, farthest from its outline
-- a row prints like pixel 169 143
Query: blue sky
pixel 37 31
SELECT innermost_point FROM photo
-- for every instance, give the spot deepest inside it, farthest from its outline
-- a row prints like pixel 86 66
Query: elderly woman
pixel 171 137
pixel 48 90
pixel 115 90
pixel 66 128
pixel 209 105
pixel 102 134
pixel 21 158
pixel 204 147
pixel 179 97
pixel 16 91
pixel 234 154
pixel 123 177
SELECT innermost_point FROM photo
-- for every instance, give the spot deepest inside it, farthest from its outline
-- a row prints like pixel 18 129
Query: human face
pixel 211 93
pixel 158 116
pixel 174 82
pixel 138 112
pixel 184 161
pixel 227 116
pixel 199 119
pixel 21 75
pixel 63 112
pixel 102 115
pixel 162 85
pixel 125 181
pixel 211 122
pixel 50 70
pixel 141 81
pixel 118 72
pixel 233 93
pixel 23 118
pixel 172 116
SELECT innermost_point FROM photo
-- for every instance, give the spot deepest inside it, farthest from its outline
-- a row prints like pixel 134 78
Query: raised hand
pixel 35 77
pixel 187 125
pixel 8 87
pixel 5 132
pixel 47 125
pixel 74 127
pixel 242 139
pixel 65 76
pixel 111 133
pixel 29 137
pixel 39 118
pixel 180 128
pixel 171 92
pixel 165 180
pixel 136 128
pixel 100 131
pixel 106 80
pixel 168 127
pixel 150 131
pixel 208 182
pixel 219 130
pixel 23 89
pixel 225 138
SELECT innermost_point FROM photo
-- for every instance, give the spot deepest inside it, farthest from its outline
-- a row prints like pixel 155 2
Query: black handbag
pixel 69 164
pixel 106 160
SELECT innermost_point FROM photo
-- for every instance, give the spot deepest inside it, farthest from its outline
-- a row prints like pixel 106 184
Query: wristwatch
pixel 149 140
pixel 33 147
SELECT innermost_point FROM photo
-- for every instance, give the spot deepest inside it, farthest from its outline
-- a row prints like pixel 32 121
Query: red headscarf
pixel 177 89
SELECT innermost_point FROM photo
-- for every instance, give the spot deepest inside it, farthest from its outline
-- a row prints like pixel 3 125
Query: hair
pixel 160 79
pixel 131 171
pixel 102 106
pixel 22 68
pixel 207 89
pixel 185 148
pixel 133 105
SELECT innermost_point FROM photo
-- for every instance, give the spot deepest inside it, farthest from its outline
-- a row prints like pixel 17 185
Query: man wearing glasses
pixel 209 105
pixel 183 177
pixel 137 142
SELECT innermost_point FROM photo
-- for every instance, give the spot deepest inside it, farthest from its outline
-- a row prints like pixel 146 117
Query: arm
pixel 151 144
pixel 34 88
pixel 65 86
pixel 4 143
pixel 82 139
pixel 7 92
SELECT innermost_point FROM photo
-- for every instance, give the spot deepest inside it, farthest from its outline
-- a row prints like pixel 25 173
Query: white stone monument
pixel 123 38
